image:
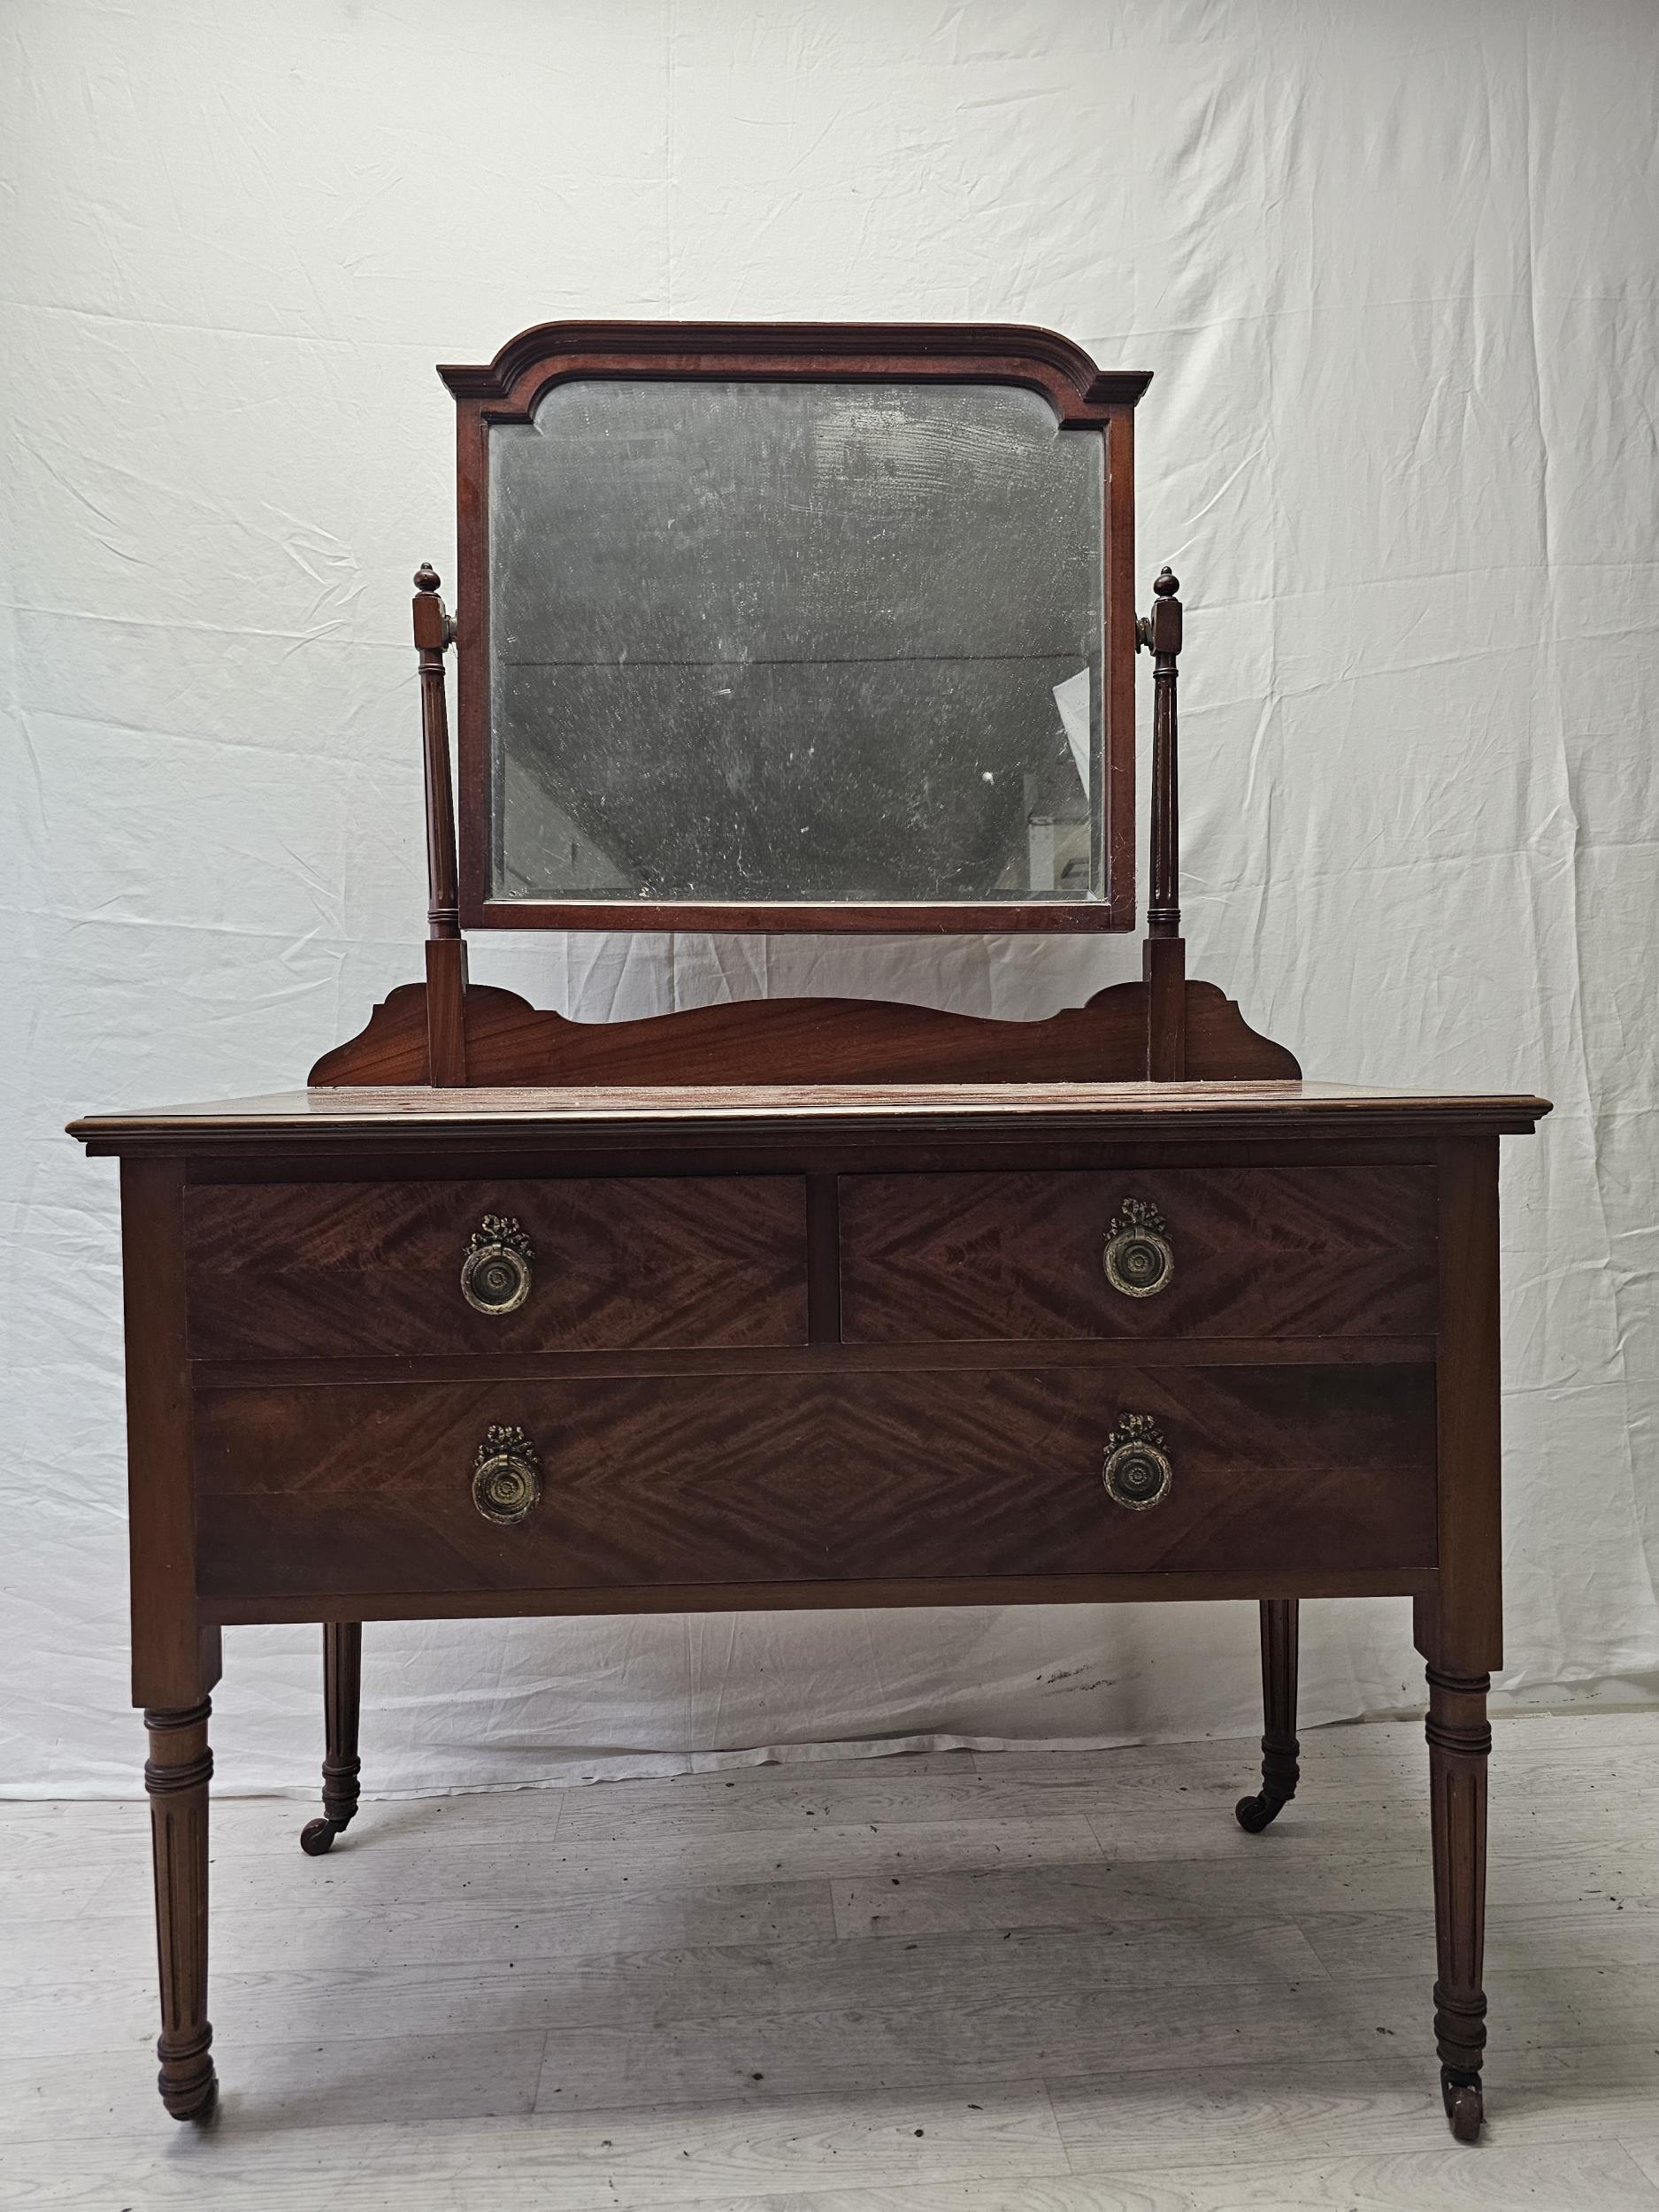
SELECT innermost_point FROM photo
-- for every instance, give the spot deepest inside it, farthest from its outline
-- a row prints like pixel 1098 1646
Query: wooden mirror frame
pixel 508 390
pixel 453 1035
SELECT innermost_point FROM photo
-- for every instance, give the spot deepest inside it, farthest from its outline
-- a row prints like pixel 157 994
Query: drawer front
pixel 312 1270
pixel 354 1491
pixel 1251 1253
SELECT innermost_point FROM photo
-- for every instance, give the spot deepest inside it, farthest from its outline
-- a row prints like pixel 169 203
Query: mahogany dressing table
pixel 814 1302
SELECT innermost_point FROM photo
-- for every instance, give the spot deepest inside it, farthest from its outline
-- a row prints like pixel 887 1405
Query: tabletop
pixel 1093 1109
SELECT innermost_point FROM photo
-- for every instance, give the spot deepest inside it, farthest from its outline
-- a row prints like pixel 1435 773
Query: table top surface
pixel 410 1110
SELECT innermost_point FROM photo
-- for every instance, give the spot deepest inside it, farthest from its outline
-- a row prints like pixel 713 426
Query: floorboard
pixel 1022 1982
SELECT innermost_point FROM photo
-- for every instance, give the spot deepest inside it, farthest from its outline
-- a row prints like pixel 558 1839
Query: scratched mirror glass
pixel 795 642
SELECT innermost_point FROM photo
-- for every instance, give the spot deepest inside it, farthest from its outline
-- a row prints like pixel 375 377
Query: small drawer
pixel 1248 1253
pixel 313 1270
pixel 341 1491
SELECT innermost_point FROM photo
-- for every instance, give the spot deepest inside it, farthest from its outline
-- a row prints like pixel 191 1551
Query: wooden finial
pixel 434 629
pixel 433 632
pixel 1154 631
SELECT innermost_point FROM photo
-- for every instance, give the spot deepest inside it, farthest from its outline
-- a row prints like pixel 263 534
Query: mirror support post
pixel 446 947
pixel 1164 953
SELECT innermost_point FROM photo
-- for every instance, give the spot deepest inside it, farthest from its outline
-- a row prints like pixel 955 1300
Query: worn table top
pixel 1095 1109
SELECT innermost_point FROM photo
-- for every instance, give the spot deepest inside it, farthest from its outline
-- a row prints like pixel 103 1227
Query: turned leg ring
pixel 187 2083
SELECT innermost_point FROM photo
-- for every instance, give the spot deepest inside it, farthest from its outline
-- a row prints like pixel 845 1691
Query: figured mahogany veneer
pixel 803 1478
pixel 1259 1252
pixel 841 1040
pixel 298 1269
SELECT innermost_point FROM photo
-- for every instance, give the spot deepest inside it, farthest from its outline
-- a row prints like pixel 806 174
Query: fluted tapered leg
pixel 342 1690
pixel 176 1775
pixel 1281 1750
pixel 1460 1744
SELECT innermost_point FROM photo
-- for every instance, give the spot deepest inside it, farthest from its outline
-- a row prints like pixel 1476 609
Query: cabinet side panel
pixel 1470 1632
pixel 171 1667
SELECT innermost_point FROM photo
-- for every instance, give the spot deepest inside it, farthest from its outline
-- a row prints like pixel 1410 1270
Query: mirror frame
pixel 1084 398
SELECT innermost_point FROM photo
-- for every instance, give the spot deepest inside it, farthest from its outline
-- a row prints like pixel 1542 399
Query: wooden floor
pixel 954 1984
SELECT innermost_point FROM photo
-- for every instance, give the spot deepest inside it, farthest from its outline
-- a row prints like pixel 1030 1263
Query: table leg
pixel 343 1692
pixel 1460 1744
pixel 176 1777
pixel 1281 1750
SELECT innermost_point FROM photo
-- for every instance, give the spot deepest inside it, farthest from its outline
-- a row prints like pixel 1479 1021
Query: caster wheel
pixel 316 1837
pixel 1254 1814
pixel 1465 2108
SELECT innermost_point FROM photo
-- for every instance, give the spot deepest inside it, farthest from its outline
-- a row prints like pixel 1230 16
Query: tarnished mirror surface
pixel 795 642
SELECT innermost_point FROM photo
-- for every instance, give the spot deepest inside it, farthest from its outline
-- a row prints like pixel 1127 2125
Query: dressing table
pixel 815 1302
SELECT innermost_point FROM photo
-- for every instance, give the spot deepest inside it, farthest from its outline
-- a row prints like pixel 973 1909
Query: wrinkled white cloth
pixel 1394 265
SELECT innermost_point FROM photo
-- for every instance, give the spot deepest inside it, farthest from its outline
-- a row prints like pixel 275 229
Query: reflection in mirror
pixel 795 642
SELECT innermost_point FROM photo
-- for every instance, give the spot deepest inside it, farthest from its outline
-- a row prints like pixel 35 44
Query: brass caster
pixel 1254 1814
pixel 317 1836
pixel 1465 2108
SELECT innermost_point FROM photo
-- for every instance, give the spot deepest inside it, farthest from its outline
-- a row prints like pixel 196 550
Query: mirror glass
pixel 795 642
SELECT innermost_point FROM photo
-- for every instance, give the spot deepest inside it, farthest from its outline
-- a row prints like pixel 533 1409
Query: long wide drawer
pixel 344 1490
pixel 1195 1252
pixel 313 1270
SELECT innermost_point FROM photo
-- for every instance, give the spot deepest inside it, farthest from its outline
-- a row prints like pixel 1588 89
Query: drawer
pixel 346 1491
pixel 311 1269
pixel 1252 1253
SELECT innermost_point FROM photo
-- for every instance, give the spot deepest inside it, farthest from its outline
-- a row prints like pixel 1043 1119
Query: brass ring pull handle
pixel 1137 1473
pixel 495 1273
pixel 1139 1259
pixel 506 1476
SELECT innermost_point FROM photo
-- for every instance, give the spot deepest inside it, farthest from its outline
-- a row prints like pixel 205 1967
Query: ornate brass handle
pixel 1138 1259
pixel 495 1273
pixel 506 1476
pixel 1137 1473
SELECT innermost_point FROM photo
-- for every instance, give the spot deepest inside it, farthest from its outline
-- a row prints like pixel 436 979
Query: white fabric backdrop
pixel 1395 267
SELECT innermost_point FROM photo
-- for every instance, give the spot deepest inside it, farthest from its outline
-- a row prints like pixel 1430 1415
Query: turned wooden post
pixel 446 947
pixel 176 1775
pixel 1163 954
pixel 1460 1744
pixel 1281 1750
pixel 342 1690
pixel 1459 1630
